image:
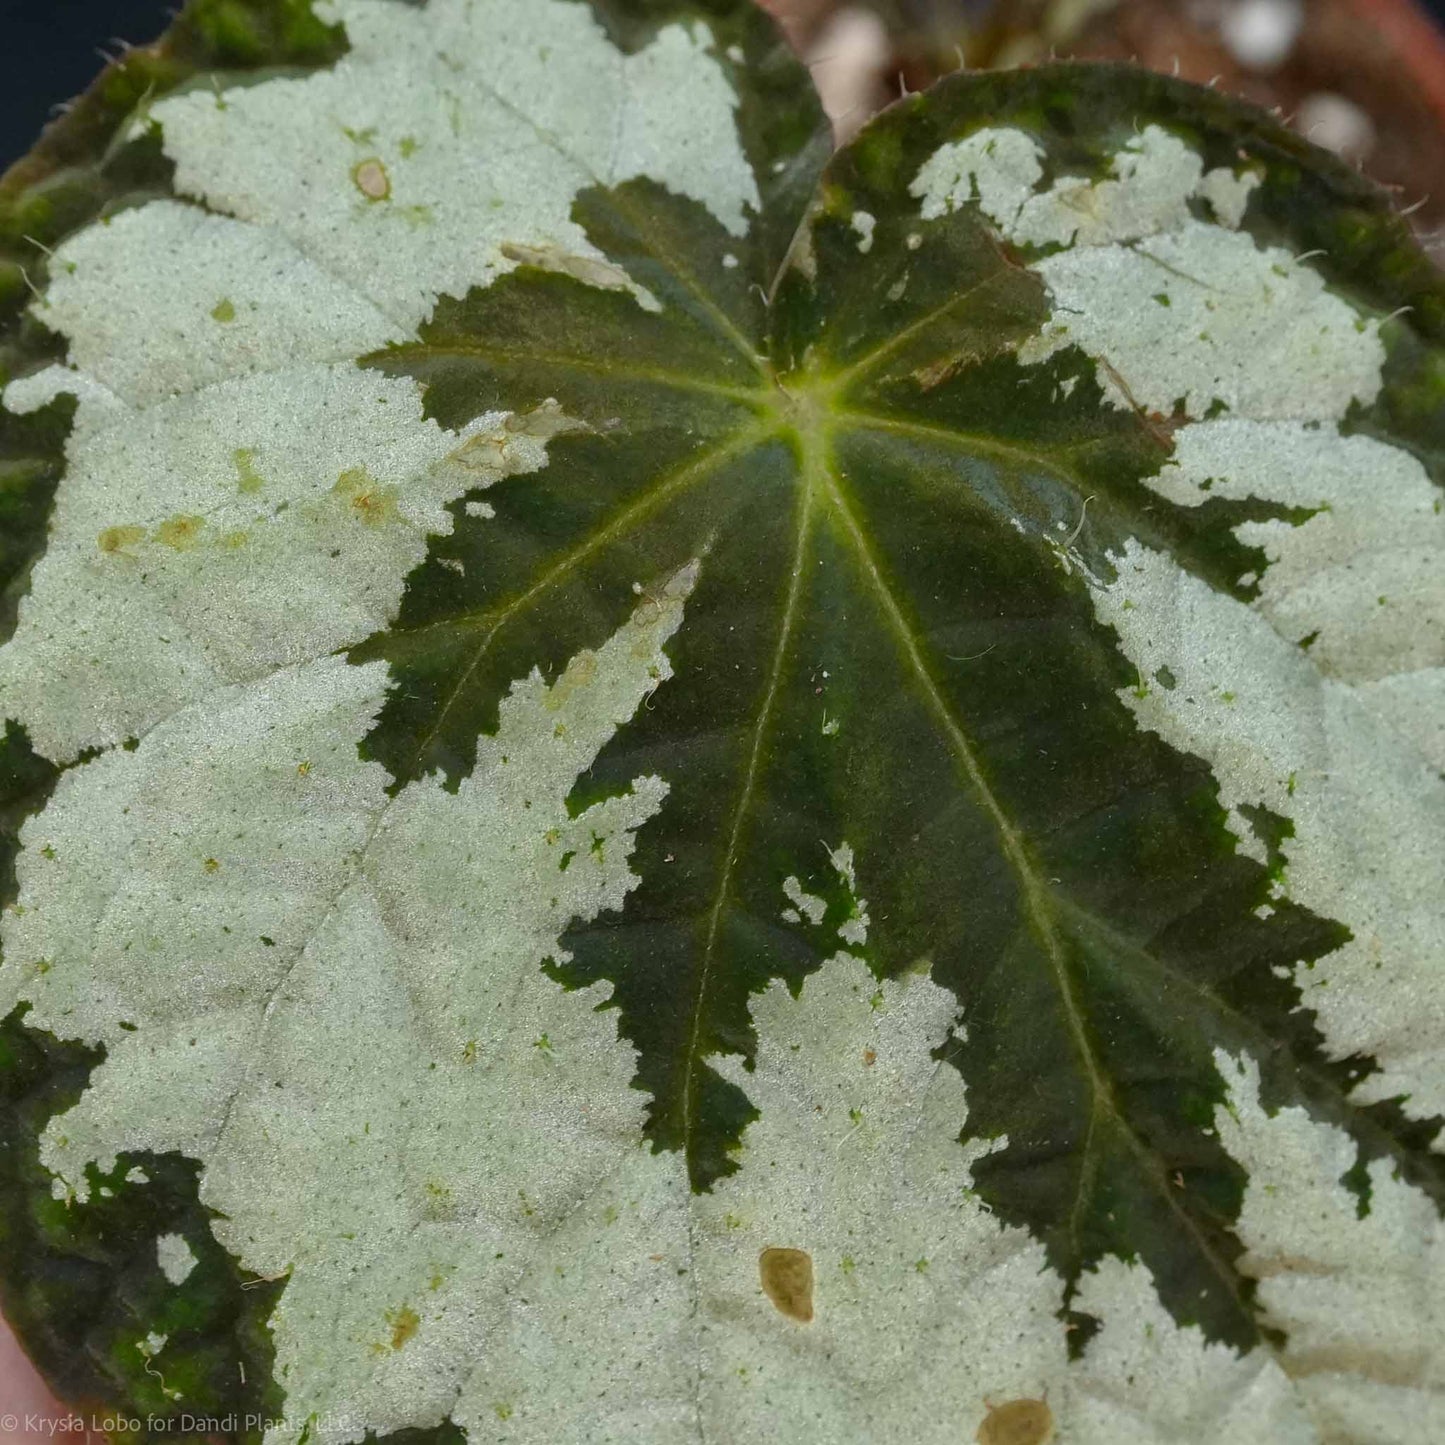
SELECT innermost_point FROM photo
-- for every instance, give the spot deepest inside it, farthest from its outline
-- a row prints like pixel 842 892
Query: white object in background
pixel 1336 123
pixel 1261 33
pixel 845 62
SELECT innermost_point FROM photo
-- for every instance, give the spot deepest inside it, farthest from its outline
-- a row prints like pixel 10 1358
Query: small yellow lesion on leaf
pixel 404 1323
pixel 212 865
pixel 119 539
pixel 224 310
pixel 181 532
pixel 248 479
pixel 303 769
pixel 369 501
pixel 370 178
pixel 787 1280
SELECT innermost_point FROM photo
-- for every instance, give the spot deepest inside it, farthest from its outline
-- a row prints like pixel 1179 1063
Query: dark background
pixel 49 53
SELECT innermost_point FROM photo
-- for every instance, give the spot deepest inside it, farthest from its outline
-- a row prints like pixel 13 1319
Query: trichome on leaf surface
pixel 662 788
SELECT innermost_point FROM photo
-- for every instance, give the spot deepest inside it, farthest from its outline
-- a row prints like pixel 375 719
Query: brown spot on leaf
pixel 1017 1422
pixel 870 1057
pixel 787 1279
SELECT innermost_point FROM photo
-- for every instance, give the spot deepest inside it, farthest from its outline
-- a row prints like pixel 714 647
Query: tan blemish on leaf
pixel 787 1280
pixel 370 502
pixel 544 421
pixel 180 532
pixel 212 865
pixel 1017 1422
pixel 118 539
pixel 503 449
pixel 404 1324
pixel 587 269
pixel 483 453
pixel 937 372
pixel 370 178
pixel 580 672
